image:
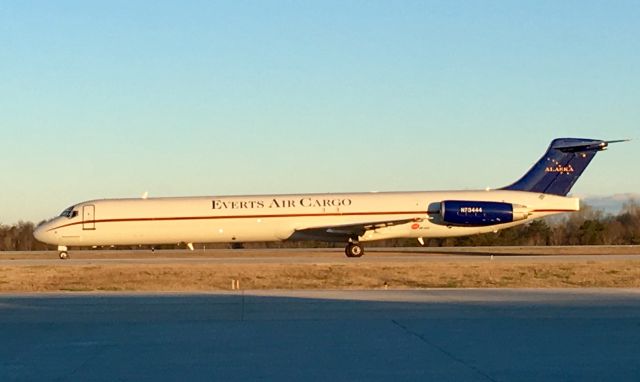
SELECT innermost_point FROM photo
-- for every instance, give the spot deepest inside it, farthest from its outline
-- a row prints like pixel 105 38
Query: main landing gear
pixel 354 249
pixel 62 252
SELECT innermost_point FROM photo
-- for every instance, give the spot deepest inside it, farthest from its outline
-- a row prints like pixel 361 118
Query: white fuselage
pixel 219 219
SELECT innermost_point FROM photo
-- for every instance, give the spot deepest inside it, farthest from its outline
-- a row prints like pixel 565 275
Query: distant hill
pixel 610 204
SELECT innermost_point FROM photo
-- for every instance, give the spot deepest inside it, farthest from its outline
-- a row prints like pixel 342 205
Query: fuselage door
pixel 88 217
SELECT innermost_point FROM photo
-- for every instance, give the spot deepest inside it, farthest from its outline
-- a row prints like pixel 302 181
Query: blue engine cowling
pixel 477 213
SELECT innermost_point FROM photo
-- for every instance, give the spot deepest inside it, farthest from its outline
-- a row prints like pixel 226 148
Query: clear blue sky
pixel 115 98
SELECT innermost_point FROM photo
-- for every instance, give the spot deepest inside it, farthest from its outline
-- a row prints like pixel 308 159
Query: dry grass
pixel 328 269
pixel 208 277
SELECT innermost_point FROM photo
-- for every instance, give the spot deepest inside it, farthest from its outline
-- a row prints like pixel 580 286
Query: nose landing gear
pixel 62 252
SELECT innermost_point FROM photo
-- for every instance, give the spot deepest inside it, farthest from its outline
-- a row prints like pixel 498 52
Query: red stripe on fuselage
pixel 266 216
pixel 243 217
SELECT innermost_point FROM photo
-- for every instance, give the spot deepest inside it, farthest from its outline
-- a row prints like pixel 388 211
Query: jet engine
pixel 478 213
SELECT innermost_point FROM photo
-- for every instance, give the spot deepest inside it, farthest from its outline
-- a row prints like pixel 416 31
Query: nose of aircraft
pixel 42 234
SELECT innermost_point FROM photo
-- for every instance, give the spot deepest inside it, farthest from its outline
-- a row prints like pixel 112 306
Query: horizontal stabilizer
pixel 586 146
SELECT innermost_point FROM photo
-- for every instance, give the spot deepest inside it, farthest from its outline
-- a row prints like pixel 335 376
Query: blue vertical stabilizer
pixel 560 167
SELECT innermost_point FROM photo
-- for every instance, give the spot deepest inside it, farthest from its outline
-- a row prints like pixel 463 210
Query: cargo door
pixel 88 217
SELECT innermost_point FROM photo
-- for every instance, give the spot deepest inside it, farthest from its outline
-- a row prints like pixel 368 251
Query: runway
pixel 396 259
pixel 303 256
pixel 412 335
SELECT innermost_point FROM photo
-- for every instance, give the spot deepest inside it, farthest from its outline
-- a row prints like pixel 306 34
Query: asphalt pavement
pixel 414 335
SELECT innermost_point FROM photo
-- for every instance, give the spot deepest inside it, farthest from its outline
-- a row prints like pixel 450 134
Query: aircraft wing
pixel 342 233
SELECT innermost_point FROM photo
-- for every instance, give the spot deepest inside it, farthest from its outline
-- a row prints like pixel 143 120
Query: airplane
pixel 349 218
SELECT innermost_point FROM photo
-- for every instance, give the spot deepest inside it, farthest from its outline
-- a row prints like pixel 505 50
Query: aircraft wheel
pixel 63 255
pixel 354 250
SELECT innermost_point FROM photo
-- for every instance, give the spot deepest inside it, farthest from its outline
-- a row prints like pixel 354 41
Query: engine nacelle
pixel 477 213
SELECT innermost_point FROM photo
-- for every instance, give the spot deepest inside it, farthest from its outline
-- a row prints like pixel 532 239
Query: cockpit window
pixel 69 212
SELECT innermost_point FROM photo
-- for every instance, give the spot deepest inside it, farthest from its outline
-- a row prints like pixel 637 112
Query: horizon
pixel 117 99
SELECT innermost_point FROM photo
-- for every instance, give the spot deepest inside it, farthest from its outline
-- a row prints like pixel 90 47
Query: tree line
pixel 588 226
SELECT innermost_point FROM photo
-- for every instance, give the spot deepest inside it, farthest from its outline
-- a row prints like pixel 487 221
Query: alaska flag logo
pixel 561 166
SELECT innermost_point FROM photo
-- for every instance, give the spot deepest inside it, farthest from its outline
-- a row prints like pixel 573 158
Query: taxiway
pixel 411 335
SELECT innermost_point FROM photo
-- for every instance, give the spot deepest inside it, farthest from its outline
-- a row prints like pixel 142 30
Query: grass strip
pixel 213 277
